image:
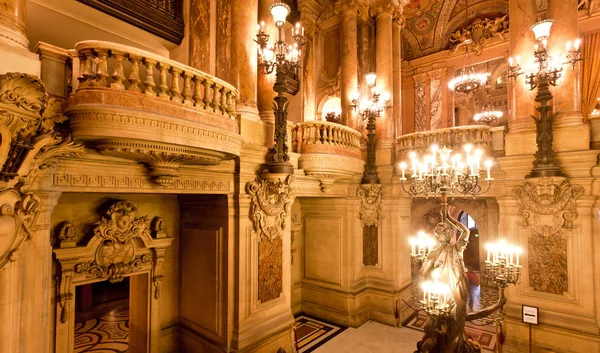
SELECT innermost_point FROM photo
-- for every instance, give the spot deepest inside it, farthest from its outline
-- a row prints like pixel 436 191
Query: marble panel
pixel 200 35
pixel 270 268
pixel 548 266
pixel 370 245
pixel 224 40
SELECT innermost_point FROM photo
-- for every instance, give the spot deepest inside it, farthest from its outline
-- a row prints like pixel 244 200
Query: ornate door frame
pixel 122 246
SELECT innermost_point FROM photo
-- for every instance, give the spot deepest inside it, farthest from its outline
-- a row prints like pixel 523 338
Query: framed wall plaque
pixel 530 315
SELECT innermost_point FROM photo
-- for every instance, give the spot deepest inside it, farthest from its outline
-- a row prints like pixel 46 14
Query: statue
pixel 446 333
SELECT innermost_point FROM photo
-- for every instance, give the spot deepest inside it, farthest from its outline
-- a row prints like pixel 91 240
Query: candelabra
pixel 369 110
pixel 283 58
pixel 420 247
pixel 502 264
pixel 445 297
pixel 548 72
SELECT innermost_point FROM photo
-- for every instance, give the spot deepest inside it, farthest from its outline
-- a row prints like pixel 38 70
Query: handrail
pixel 323 133
pixel 479 135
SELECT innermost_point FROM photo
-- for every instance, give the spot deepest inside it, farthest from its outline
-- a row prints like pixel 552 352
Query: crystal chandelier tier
pixel 488 114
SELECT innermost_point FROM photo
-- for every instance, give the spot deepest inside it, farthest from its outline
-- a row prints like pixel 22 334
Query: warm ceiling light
pixel 371 77
pixel 279 11
pixel 541 29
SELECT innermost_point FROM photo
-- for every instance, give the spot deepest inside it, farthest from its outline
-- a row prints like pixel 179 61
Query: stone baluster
pixel 118 75
pixel 187 88
pixel 224 103
pixel 216 97
pixel 208 92
pixel 198 91
pixel 87 69
pixel 230 104
pixel 149 81
pixel 163 87
pixel 102 67
pixel 175 90
pixel 134 76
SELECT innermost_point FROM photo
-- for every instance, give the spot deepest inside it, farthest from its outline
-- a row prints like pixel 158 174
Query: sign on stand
pixel 530 315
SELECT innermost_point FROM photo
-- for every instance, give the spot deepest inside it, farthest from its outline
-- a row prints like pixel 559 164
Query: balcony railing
pixel 329 151
pixel 485 137
pixel 124 68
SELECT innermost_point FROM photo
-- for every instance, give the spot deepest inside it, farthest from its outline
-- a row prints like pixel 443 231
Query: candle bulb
pixel 577 43
pixel 568 46
pixel 488 165
pixel 535 47
pixel 403 167
pixel 302 31
pixel 510 61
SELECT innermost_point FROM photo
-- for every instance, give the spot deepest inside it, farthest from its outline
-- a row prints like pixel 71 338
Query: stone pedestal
pixel 349 72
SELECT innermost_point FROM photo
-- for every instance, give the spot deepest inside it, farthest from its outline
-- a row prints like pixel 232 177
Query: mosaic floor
pixel 312 333
pixel 108 333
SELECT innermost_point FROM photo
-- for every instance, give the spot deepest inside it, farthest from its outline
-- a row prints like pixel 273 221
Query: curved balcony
pixel 133 104
pixel 488 138
pixel 329 151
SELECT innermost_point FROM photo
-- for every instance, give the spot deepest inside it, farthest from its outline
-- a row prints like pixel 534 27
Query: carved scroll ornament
pixel 123 244
pixel 371 204
pixel 271 201
pixel 479 32
pixel 547 207
pixel 28 143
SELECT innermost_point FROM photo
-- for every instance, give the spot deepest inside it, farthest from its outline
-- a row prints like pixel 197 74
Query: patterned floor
pixel 108 333
pixel 311 333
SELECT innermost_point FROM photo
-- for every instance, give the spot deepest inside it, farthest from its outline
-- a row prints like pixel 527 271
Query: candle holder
pixel 420 247
pixel 502 264
pixel 436 298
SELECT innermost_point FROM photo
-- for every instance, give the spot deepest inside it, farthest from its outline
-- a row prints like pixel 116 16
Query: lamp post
pixel 548 72
pixel 370 109
pixel 283 58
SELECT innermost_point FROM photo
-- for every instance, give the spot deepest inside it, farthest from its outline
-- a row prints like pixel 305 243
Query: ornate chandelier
pixel 467 80
pixel 488 114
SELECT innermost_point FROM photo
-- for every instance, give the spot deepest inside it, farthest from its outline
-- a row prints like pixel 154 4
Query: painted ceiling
pixel 429 23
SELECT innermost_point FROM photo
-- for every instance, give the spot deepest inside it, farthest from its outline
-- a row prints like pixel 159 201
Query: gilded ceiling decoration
pixel 429 23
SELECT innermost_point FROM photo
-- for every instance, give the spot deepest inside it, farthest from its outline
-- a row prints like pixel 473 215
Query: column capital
pixel 350 6
pixel 383 7
pixel 309 13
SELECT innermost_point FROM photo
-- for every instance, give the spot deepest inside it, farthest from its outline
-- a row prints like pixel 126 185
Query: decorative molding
pixel 481 31
pixel 548 208
pixel 163 18
pixel 271 201
pixel 110 181
pixel 330 85
pixel 371 204
pixel 123 244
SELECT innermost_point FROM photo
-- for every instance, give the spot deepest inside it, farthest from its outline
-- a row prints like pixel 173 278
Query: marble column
pixel 349 73
pixel 14 45
pixel 200 35
pixel 397 73
pixel 521 137
pixel 567 95
pixel 265 92
pixel 243 53
pixel 384 67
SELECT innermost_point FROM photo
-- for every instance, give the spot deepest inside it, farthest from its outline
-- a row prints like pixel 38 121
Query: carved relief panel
pixel 548 208
pixel 420 103
pixel 271 201
pixel 122 244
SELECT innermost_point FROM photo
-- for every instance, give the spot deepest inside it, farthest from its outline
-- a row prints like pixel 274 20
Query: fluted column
pixel 349 63
pixel 243 53
pixel 384 65
pixel 265 92
pixel 397 79
pixel 521 136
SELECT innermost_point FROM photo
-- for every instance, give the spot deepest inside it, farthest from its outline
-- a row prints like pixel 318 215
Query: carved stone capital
pixel 383 7
pixel 480 32
pixel 371 204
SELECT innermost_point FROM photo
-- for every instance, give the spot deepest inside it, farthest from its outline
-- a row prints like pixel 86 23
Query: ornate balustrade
pixel 134 104
pixel 485 137
pixel 329 151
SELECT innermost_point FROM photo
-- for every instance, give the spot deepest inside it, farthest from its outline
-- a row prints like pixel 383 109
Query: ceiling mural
pixel 429 23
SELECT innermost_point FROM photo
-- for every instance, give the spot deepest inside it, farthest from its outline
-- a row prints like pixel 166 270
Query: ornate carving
pixel 270 205
pixel 548 208
pixel 435 106
pixel 371 204
pixel 28 143
pixel 121 245
pixel 67 234
pixel 479 32
pixel 548 205
pixel 420 100
pixel 331 85
pixel 163 18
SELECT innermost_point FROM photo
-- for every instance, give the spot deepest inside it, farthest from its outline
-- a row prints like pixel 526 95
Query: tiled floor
pixel 108 333
pixel 373 337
